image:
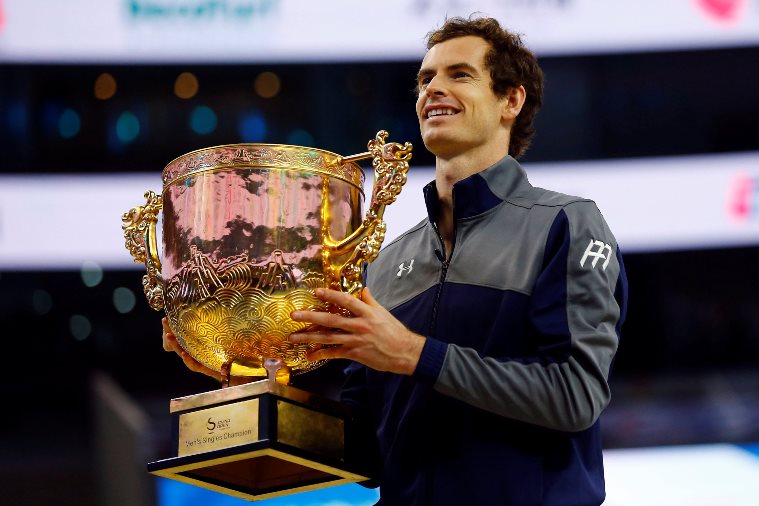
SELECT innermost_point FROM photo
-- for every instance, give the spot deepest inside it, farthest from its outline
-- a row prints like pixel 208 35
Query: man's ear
pixel 512 102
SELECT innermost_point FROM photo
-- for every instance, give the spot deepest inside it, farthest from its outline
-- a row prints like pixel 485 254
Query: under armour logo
pixel 596 250
pixel 402 268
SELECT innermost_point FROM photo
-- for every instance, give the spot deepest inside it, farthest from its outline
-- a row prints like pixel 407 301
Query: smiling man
pixel 483 370
pixel 483 343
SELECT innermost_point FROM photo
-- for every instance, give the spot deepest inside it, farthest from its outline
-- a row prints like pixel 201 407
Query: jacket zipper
pixel 437 297
pixel 446 261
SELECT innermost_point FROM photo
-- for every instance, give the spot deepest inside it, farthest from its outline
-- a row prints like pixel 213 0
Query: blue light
pixel 80 327
pixel 69 123
pixel 51 114
pixel 92 274
pixel 124 299
pixel 203 120
pixel 174 493
pixel 42 302
pixel 252 127
pixel 18 118
pixel 127 127
pixel 300 137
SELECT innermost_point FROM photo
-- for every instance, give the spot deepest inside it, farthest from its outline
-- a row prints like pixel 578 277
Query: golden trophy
pixel 249 232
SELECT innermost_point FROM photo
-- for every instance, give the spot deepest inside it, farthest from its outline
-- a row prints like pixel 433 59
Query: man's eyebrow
pixel 463 66
pixel 425 72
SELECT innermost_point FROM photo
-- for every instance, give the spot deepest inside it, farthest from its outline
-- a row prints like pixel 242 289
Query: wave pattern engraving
pixel 239 312
pixel 244 327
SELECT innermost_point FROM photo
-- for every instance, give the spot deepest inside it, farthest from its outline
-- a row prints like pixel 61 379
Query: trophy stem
pixel 225 374
pixel 276 371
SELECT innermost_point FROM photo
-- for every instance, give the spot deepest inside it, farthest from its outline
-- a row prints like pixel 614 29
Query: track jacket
pixel 522 324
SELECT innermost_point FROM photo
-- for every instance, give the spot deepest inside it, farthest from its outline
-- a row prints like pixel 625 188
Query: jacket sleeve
pixel 576 311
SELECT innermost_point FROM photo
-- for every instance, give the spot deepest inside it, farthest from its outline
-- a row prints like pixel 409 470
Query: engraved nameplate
pixel 219 427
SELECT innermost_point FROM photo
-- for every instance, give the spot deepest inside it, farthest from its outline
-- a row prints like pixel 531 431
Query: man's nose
pixel 435 87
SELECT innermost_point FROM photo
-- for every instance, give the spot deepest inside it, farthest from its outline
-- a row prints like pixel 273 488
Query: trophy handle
pixel 139 225
pixel 390 163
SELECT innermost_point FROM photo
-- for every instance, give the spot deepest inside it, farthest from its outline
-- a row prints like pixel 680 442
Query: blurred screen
pixel 654 204
pixel 294 31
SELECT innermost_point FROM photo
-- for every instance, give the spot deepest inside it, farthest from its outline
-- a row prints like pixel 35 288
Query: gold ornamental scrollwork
pixel 390 161
pixel 139 226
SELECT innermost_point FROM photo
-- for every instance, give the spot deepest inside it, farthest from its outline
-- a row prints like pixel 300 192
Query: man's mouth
pixel 440 111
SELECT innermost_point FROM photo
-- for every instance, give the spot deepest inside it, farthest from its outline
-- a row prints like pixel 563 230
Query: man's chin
pixel 437 141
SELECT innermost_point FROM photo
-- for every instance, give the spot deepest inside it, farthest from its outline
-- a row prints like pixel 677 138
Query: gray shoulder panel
pixel 501 249
pixel 404 268
pixel 504 247
pixel 535 196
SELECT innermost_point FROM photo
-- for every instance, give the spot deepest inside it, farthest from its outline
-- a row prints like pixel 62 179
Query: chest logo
pixel 596 250
pixel 403 268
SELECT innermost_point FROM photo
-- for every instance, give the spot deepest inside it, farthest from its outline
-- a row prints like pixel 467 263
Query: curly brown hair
pixel 510 64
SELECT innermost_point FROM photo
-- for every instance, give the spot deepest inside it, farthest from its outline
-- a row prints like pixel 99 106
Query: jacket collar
pixel 482 191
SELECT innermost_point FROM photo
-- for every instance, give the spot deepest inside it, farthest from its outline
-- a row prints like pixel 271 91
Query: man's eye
pixel 459 75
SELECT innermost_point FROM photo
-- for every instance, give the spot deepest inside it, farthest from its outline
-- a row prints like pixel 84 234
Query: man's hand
pixel 170 343
pixel 373 336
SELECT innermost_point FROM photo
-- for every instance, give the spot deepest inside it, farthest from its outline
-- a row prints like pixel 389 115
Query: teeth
pixel 441 112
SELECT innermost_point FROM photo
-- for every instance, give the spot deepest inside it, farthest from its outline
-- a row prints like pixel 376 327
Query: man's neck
pixel 449 171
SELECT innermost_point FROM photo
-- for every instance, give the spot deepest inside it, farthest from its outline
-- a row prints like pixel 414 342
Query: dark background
pixel 687 367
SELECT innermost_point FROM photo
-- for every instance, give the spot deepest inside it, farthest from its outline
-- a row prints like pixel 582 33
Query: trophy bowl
pixel 249 232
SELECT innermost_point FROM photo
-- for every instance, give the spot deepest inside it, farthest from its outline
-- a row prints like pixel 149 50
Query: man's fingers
pixel 326 353
pixel 367 297
pixel 166 326
pixel 196 366
pixel 190 362
pixel 342 299
pixel 323 319
pixel 322 338
pixel 169 339
pixel 169 342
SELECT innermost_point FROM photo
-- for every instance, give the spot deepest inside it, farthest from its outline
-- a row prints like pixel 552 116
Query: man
pixel 482 371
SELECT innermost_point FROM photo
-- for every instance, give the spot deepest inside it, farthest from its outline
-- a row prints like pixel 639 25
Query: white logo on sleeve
pixel 596 250
pixel 402 268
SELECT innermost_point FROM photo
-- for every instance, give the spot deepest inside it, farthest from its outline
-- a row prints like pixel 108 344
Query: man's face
pixel 456 107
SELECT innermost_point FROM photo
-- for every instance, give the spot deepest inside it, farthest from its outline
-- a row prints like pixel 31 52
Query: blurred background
pixel 650 109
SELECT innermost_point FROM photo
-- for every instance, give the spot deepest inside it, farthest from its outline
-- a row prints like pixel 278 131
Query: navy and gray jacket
pixel 522 324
